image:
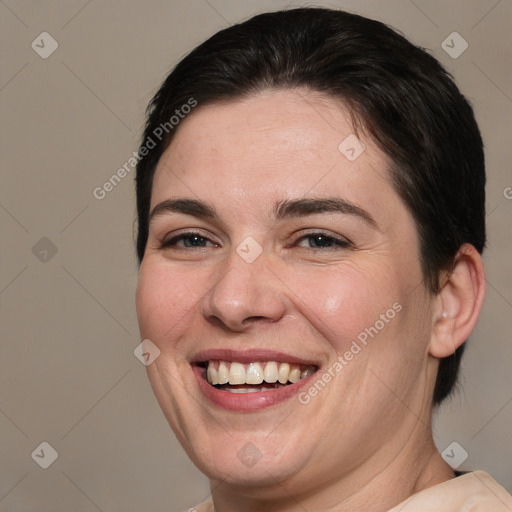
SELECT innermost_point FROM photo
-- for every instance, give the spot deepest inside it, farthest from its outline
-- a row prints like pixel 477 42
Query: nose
pixel 244 294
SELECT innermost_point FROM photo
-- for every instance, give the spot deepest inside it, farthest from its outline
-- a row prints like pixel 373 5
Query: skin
pixel 364 442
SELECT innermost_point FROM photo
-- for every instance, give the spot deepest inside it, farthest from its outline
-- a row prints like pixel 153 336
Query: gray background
pixel 68 122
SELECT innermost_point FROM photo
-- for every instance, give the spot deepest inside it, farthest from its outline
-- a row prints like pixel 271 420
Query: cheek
pixel 165 297
pixel 343 302
pixel 372 320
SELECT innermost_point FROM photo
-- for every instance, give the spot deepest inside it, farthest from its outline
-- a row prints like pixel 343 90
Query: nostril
pixel 256 319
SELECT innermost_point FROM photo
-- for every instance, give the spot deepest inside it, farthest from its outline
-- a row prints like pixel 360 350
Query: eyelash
pixel 342 243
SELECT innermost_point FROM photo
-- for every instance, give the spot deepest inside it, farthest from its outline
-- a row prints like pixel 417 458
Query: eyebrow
pixel 289 208
pixel 310 206
pixel 185 206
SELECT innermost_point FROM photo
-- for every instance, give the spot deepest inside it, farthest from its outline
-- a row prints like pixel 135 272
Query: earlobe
pixel 459 302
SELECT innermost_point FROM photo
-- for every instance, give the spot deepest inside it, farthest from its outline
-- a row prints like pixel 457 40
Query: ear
pixel 458 303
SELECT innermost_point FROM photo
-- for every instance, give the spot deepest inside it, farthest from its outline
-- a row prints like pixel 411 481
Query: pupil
pixel 321 240
pixel 193 241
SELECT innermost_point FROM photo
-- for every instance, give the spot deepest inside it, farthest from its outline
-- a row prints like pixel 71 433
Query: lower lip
pixel 247 401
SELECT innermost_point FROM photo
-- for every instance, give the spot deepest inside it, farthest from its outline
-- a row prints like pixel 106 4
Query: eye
pixel 189 240
pixel 322 240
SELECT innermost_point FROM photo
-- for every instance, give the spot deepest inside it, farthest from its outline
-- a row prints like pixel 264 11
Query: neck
pixel 416 467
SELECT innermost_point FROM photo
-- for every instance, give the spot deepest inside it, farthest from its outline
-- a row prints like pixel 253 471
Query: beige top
pixel 472 492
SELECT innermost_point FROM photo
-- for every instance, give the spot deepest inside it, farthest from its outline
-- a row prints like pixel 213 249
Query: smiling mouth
pixel 235 377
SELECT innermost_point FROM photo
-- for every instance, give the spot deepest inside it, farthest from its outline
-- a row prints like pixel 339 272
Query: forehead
pixel 275 145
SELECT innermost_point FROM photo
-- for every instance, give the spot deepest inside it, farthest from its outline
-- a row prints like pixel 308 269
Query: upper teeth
pixel 222 372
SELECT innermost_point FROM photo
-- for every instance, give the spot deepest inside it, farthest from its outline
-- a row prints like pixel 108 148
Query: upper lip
pixel 249 356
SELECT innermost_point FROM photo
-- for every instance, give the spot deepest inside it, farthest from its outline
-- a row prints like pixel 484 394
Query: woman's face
pixel 271 244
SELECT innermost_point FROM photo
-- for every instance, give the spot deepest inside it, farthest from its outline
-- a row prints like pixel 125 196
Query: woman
pixel 310 197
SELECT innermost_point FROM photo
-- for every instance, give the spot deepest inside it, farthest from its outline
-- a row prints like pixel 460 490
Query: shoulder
pixel 472 492
pixel 205 506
